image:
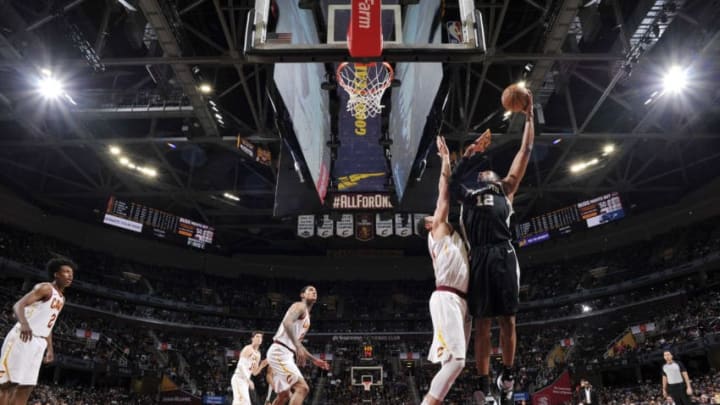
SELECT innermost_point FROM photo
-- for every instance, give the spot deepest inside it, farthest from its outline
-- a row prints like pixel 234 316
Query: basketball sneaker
pixel 505 384
pixel 479 398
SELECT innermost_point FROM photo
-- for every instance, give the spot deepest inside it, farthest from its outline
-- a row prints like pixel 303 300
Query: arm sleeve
pixel 458 190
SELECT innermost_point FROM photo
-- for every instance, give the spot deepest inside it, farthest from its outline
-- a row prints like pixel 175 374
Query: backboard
pixel 319 33
pixel 365 373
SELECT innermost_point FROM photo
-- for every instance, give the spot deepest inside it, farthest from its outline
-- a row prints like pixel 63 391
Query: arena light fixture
pixel 578 167
pixel 115 150
pixel 608 149
pixel 205 88
pixel 50 87
pixel 675 79
pixel 507 115
pixel 123 160
pixel 557 141
pixel 586 308
pixel 522 84
pixel 230 196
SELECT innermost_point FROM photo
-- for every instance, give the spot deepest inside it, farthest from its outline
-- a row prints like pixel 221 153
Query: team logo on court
pixel 364 227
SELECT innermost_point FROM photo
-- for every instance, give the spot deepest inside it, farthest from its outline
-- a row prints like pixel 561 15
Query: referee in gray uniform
pixel 675 380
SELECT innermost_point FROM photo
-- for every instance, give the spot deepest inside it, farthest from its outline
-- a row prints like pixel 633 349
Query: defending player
pixel 486 207
pixel 448 305
pixel 25 344
pixel 248 365
pixel 287 347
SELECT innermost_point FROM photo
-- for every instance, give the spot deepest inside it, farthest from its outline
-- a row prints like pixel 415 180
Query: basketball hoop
pixel 366 385
pixel 365 84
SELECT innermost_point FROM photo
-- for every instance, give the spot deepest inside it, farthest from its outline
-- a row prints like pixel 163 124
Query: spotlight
pixel 578 167
pixel 115 150
pixel 675 80
pixel 506 115
pixel 124 160
pixel 608 149
pixel 586 308
pixel 46 72
pixel 529 67
pixel 205 88
pixel 212 103
pixel 594 161
pixel 231 196
pixel 50 87
pixel 218 116
pixel 557 141
pixel 131 165
pixel 171 145
pixel 522 84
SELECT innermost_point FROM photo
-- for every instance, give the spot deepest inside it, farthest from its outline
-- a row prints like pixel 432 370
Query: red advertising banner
pixel 556 393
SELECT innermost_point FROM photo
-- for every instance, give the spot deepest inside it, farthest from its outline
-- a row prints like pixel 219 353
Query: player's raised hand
pixel 442 148
pixel 480 144
pixel 25 332
pixel 529 109
pixel 322 364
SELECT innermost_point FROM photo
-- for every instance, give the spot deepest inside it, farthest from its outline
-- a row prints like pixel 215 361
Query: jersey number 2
pixel 53 317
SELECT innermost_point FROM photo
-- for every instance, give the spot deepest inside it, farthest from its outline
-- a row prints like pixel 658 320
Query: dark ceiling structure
pixel 596 69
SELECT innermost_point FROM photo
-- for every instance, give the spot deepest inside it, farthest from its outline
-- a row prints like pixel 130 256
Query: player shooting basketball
pixel 448 305
pixel 486 207
pixel 287 347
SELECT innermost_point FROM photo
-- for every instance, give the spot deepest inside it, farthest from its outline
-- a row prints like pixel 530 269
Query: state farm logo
pixel 364 17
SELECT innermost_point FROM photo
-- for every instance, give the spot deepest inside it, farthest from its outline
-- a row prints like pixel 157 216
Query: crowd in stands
pixel 200 363
pixel 71 394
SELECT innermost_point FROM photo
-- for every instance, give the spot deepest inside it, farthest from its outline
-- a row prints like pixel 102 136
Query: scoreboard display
pixel 583 215
pixel 164 225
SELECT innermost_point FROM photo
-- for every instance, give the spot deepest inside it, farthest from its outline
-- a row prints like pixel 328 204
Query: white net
pixel 365 84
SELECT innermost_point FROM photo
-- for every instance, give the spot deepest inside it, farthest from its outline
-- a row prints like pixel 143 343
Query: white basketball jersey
pixel 300 327
pixel 450 261
pixel 248 363
pixel 42 315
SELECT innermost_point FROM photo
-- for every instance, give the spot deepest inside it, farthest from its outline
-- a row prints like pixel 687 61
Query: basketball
pixel 515 98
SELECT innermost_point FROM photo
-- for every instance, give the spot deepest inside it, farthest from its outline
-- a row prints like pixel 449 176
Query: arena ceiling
pixel 596 68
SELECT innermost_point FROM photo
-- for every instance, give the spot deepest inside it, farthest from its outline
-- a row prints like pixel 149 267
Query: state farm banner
pixel 87 334
pixel 383 227
pixel 567 342
pixel 360 163
pixel 556 393
pixel 344 228
pixel 325 227
pixel 306 226
pixel 644 328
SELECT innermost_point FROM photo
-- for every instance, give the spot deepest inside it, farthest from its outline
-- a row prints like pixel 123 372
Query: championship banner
pixel 383 227
pixel 557 393
pixel 364 227
pixel 306 226
pixel 87 334
pixel 325 227
pixel 345 226
pixel 417 220
pixel 644 328
pixel 403 225
pixel 360 163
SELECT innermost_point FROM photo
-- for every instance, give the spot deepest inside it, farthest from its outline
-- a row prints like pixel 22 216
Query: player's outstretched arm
pixel 511 182
pixel 440 226
pixel 41 292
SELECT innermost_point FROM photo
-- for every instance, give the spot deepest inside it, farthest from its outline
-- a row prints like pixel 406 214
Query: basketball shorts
pixel 494 281
pixel 20 361
pixel 285 372
pixel 241 391
pixel 451 326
